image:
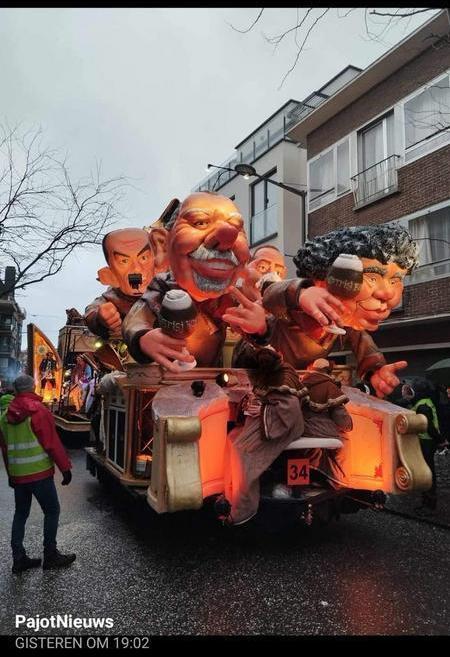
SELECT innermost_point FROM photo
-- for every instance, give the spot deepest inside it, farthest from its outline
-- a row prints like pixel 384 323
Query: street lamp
pixel 247 171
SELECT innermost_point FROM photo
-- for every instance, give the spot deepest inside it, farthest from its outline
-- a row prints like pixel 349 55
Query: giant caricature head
pixel 130 259
pixel 387 253
pixel 207 244
pixel 268 259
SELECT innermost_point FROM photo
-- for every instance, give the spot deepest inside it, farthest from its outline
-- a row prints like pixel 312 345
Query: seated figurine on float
pixel 364 293
pixel 270 420
pixel 131 254
pixel 280 410
pixel 266 266
pixel 207 250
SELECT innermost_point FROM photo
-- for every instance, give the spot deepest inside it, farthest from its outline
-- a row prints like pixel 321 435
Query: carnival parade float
pixel 180 429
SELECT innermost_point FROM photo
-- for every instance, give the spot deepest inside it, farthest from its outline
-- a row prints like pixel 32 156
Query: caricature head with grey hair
pixel 385 243
pixel 207 245
pixel 387 253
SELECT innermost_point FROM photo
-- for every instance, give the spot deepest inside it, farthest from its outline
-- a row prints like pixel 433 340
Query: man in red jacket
pixel 30 447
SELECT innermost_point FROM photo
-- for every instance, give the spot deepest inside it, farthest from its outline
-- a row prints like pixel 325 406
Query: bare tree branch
pixel 46 215
pixel 302 33
pixel 302 46
pixel 413 12
pixel 251 26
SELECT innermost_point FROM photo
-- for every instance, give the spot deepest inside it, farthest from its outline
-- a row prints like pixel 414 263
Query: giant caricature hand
pixel 384 380
pixel 249 316
pixel 109 316
pixel 320 305
pixel 164 349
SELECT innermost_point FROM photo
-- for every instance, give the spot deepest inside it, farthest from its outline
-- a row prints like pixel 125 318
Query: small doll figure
pixel 325 416
pixel 272 418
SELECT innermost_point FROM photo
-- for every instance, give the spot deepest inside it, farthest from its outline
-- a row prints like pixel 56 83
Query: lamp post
pixel 247 171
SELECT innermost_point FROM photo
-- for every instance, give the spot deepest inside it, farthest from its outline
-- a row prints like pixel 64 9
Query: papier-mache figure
pixel 268 264
pixel 272 418
pixel 129 253
pixel 47 371
pixel 325 416
pixel 208 250
pixel 304 307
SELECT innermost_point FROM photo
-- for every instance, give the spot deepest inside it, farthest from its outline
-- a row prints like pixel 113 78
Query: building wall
pixel 290 163
pixel 417 72
pixel 421 184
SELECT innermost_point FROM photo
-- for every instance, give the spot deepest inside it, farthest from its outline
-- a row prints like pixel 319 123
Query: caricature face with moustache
pixel 207 245
pixel 130 261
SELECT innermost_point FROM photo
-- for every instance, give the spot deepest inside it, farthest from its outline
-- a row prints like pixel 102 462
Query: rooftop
pixel 275 129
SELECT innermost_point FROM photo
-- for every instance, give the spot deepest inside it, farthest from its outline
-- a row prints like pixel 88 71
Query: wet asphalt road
pixel 369 573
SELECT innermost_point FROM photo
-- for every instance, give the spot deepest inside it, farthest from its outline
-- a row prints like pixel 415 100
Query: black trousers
pixel 429 497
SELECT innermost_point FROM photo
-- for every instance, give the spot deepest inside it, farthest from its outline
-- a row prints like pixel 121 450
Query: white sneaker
pixel 281 491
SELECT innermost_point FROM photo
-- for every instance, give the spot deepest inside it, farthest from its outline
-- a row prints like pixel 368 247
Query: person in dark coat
pixel 420 399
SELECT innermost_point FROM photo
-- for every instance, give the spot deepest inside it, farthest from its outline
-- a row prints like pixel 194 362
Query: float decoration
pixel 44 365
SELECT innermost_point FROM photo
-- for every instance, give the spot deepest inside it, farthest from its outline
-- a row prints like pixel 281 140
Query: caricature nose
pixel 384 291
pixel 222 237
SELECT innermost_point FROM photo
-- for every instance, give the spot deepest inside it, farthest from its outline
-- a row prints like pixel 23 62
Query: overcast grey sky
pixel 155 94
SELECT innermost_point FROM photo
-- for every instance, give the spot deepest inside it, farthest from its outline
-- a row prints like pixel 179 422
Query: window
pixel 343 168
pixel 116 436
pixel 377 162
pixel 322 176
pixel 427 117
pixel 329 175
pixel 264 219
pixel 432 231
pixel 376 142
pixel 4 343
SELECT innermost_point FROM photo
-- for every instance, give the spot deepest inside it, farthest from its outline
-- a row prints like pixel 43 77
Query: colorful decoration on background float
pixel 44 365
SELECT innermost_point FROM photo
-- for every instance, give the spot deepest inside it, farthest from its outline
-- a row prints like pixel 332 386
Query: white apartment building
pixel 273 215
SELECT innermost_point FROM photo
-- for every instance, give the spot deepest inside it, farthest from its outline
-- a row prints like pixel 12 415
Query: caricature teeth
pixel 210 284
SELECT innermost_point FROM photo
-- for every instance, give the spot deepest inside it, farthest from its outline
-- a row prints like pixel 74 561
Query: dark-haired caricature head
pixel 387 252
pixel 128 252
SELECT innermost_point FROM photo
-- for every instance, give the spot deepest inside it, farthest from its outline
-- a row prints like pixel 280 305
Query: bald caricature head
pixel 130 259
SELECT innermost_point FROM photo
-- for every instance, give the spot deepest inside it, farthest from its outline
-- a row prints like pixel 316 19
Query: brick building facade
pixel 379 151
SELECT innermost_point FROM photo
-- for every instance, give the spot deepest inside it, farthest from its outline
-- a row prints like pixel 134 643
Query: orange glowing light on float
pixel 44 365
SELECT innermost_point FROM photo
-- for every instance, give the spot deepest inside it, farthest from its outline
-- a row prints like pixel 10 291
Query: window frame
pixel 252 187
pixel 333 191
pixel 405 221
pixel 431 139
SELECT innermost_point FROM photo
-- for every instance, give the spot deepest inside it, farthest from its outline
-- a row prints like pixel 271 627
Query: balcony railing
pixel 376 181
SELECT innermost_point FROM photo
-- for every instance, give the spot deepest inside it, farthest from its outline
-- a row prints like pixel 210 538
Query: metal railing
pixel 376 181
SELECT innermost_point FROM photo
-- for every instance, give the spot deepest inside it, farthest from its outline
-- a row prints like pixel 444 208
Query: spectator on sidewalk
pixel 30 447
pixel 421 401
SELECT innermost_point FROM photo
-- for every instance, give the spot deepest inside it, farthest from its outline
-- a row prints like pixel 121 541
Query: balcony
pixel 375 182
